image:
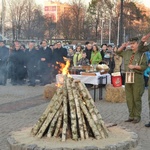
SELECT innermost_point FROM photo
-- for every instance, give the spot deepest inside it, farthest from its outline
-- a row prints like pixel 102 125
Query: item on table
pixel 102 68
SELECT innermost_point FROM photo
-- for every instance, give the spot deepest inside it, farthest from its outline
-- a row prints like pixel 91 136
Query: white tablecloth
pixel 87 79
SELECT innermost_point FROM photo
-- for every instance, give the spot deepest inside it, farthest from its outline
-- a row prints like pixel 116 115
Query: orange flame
pixel 58 85
pixel 64 69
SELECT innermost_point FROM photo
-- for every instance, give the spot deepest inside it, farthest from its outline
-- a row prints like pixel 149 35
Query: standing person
pixel 77 56
pixel 96 57
pixel 10 65
pixel 103 50
pixel 53 69
pixel 18 60
pixel 146 75
pixel 70 55
pixel 88 51
pixel 31 63
pixel 134 61
pixel 45 60
pixel 108 53
pixel 23 47
pixel 4 54
pixel 58 55
pixel 143 47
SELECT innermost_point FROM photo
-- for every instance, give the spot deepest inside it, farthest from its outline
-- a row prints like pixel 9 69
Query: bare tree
pixel 50 27
pixel 64 26
pixel 38 24
pixel 100 11
pixel 28 18
pixel 78 12
pixel 17 13
pixel 33 21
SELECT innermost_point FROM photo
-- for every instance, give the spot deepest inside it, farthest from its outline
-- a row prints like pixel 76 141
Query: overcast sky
pixel 146 2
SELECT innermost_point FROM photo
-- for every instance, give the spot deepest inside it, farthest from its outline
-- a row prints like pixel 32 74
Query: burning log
pixel 71 114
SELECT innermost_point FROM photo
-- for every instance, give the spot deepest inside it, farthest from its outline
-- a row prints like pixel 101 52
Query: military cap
pixel 134 39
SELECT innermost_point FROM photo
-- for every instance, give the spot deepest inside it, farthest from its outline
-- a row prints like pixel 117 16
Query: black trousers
pixel 3 74
pixel 123 78
pixel 146 81
pixel 31 74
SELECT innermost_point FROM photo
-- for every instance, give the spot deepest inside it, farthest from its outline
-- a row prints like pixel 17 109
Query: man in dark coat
pixel 4 54
pixel 17 58
pixel 58 55
pixel 45 61
pixel 31 63
pixel 88 51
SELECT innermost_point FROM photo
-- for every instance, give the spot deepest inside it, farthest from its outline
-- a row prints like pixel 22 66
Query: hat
pixel 134 39
pixel 86 43
pixel 109 45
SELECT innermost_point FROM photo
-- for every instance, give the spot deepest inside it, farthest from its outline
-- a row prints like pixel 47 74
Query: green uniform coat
pixel 134 91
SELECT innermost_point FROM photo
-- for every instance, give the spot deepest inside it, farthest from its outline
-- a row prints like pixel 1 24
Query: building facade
pixel 55 9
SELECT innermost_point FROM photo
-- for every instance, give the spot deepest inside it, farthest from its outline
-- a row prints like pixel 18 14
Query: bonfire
pixel 71 113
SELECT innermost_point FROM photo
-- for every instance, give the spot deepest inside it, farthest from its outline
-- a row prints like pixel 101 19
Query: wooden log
pixel 59 122
pixel 53 122
pixel 79 116
pixel 90 119
pixel 65 113
pixel 93 111
pixel 72 110
pixel 86 92
pixel 50 116
pixel 43 117
pixel 84 127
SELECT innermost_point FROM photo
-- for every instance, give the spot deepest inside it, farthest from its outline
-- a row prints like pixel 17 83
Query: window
pixel 46 8
pixel 53 8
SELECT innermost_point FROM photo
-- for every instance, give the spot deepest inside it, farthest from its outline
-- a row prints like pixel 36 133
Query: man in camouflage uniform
pixel 134 61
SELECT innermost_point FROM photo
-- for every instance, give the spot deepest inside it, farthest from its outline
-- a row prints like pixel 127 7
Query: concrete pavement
pixel 21 106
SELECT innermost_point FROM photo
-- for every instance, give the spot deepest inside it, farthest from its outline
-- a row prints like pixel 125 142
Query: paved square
pixel 21 106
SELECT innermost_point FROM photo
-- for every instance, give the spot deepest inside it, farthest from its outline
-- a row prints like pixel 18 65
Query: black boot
pixel 147 125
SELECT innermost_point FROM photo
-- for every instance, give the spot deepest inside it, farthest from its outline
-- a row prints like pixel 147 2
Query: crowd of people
pixel 22 65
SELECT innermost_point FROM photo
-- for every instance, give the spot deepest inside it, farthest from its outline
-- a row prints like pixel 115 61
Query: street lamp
pixel 118 35
pixel 3 16
pixel 121 24
pixel 110 29
pixel 102 27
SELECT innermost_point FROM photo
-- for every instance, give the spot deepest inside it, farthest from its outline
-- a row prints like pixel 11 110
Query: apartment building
pixel 55 9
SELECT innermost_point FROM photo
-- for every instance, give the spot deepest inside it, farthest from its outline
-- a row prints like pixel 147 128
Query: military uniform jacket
pixel 137 60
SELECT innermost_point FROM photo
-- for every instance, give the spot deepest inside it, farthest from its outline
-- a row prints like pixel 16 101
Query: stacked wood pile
pixel 115 94
pixel 49 90
pixel 71 113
